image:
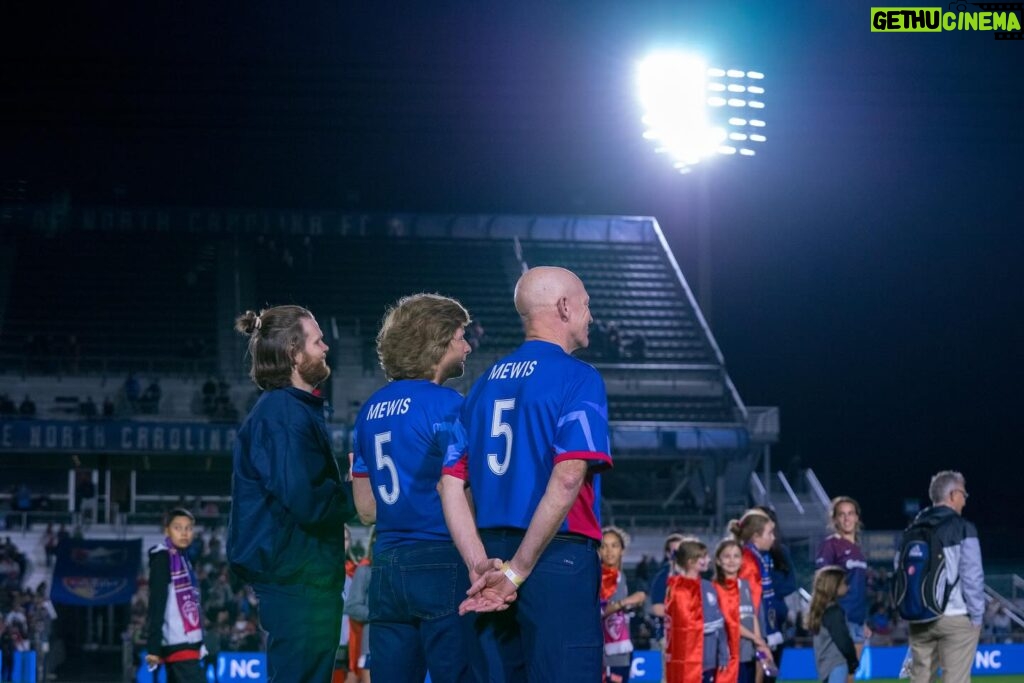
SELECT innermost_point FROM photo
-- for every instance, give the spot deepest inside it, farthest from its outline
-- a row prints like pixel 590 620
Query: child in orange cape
pixel 696 647
pixel 742 625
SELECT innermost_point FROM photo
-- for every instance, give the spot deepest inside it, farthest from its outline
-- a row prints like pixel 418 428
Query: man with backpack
pixel 940 585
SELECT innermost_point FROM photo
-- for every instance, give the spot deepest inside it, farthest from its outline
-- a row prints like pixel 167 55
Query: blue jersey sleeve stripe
pixel 581 417
pixel 360 475
pixel 456 446
pixel 600 408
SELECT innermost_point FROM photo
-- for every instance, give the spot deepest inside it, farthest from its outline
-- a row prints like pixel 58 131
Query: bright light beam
pixel 685 115
pixel 673 90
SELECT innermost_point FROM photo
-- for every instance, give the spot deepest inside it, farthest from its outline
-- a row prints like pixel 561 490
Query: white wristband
pixel 512 576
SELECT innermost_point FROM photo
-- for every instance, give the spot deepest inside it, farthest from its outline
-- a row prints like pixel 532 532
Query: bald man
pixel 533 436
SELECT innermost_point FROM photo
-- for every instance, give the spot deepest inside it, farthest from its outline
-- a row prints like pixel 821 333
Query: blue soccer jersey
pixel 399 442
pixel 529 411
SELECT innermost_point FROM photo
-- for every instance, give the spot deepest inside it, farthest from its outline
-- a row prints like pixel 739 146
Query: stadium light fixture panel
pixel 685 115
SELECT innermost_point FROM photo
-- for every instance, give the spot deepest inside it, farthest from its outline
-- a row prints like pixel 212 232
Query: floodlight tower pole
pixel 704 297
pixel 692 113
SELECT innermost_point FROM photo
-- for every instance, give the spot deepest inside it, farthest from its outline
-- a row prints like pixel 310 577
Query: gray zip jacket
pixel 716 646
pixel 960 544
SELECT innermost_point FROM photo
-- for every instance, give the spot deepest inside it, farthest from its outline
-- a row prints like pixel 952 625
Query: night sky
pixel 866 264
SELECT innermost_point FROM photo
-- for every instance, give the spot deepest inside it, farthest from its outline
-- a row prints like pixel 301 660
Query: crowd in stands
pixel 27 618
pixel 133 398
pixel 607 343
pixel 26 614
pixel 216 400
pixel 8 408
pixel 142 401
pixel 230 609
pixel 12 566
pixel 87 408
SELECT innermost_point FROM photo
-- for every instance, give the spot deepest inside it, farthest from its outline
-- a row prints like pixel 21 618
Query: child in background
pixel 834 653
pixel 341 672
pixel 357 607
pixel 175 619
pixel 616 603
pixel 742 625
pixel 696 649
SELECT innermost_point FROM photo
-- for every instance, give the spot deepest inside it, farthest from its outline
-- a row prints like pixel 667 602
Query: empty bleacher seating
pixel 130 301
pixel 634 286
pixel 355 278
pixel 679 408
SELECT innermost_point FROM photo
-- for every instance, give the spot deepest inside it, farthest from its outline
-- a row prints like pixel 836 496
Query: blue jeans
pixel 838 674
pixel 415 591
pixel 552 632
pixel 303 626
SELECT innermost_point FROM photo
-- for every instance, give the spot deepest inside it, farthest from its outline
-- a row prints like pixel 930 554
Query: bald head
pixel 554 306
pixel 542 287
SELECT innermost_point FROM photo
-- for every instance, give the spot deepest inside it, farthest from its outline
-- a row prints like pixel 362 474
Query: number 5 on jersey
pixel 500 428
pixel 384 462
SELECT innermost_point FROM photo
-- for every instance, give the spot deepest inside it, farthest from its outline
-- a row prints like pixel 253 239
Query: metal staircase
pixel 801 505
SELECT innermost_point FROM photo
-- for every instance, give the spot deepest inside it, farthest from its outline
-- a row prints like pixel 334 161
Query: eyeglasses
pixel 963 493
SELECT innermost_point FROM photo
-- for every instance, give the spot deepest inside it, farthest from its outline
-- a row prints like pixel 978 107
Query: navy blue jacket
pixel 289 503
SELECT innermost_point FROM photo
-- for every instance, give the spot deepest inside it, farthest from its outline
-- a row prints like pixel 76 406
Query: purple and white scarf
pixel 185 593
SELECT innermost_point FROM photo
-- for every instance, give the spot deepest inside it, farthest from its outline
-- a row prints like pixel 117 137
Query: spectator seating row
pixel 77 296
pixel 634 286
pixel 354 279
pixel 662 408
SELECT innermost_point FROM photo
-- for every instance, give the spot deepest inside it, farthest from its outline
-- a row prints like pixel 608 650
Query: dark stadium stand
pixel 159 301
pixel 354 279
pixel 689 409
pixel 633 286
pixel 131 301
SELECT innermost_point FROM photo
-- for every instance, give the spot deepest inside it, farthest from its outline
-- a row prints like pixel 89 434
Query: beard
pixel 312 370
pixel 453 370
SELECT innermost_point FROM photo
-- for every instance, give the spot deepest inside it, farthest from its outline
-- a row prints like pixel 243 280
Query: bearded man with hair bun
pixel 290 502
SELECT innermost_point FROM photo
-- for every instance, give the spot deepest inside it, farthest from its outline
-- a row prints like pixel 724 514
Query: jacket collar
pixel 305 397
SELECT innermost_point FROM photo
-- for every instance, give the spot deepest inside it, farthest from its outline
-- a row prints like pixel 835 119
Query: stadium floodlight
pixel 673 90
pixel 685 114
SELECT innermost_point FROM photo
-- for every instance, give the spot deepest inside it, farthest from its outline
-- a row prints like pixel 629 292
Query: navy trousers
pixel 552 632
pixel 303 627
pixel 415 591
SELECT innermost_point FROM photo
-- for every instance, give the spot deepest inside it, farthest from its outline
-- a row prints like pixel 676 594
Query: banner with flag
pixel 89 573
